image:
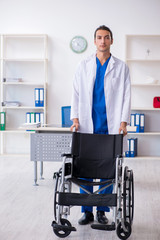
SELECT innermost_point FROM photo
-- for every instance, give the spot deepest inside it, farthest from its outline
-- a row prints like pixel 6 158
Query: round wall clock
pixel 78 44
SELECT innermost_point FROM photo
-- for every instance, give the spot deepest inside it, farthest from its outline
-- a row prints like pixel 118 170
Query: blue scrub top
pixel 99 114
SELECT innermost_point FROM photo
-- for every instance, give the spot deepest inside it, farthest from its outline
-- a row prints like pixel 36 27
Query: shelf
pixel 25 59
pixel 22 155
pixel 145 85
pixel 15 131
pixel 143 158
pixel 23 107
pixel 142 60
pixel 22 83
pixel 25 35
pixel 145 133
pixel 46 129
pixel 142 36
pixel 144 109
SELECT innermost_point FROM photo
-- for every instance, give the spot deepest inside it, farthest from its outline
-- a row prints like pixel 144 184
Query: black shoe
pixel 86 218
pixel 101 218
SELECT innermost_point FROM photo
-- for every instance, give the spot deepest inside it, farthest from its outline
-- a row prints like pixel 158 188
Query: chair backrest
pixel 95 154
pixel 65 115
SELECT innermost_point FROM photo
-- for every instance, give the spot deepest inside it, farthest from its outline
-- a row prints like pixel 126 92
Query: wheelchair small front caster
pixel 61 230
pixel 120 231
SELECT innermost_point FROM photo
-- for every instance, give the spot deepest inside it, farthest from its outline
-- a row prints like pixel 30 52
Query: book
pixel 131 129
pixel 31 125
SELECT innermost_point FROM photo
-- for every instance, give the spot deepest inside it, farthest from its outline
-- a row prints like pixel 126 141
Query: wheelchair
pixel 95 156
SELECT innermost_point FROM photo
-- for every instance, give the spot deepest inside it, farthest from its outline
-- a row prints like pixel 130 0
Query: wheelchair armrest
pixel 119 156
pixel 69 155
pixel 67 164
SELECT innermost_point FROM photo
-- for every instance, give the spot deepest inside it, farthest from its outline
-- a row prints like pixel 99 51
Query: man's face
pixel 103 41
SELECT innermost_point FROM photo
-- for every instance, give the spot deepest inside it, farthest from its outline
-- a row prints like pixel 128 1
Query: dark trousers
pixel 90 188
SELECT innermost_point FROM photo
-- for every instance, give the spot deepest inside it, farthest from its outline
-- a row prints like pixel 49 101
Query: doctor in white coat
pixel 115 91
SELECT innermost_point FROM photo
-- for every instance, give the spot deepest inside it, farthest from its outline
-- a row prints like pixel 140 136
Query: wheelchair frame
pixel 121 200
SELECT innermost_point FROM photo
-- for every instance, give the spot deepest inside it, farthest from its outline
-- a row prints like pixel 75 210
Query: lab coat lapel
pixel 110 66
pixel 91 76
pixel 107 83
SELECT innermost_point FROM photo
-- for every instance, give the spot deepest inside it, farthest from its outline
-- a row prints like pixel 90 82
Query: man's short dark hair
pixel 103 27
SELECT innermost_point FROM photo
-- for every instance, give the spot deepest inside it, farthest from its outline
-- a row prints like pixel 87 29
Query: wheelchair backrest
pixel 94 155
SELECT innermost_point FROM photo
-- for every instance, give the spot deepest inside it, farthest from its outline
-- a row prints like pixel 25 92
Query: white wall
pixel 63 19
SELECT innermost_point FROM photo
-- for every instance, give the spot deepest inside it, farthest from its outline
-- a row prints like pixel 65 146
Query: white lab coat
pixel 116 89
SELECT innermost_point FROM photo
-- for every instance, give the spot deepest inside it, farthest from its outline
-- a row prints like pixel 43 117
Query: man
pixel 101 101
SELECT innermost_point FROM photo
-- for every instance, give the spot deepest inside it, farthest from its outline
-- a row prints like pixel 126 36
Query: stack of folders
pixel 137 122
pixel 11 104
pixel 39 97
pixel 132 147
pixel 35 117
pixel 2 121
pixel 12 79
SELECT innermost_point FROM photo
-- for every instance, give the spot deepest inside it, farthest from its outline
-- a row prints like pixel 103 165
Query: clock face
pixel 78 44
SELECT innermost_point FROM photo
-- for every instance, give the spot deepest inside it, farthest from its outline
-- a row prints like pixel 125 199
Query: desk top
pixel 51 129
pixel 48 129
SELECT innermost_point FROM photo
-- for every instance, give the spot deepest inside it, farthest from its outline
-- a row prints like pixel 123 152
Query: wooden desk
pixel 47 144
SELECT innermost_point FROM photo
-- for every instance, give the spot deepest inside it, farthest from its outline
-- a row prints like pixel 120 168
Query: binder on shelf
pixel 32 117
pixel 137 121
pixel 42 118
pixel 132 119
pixel 37 117
pixel 132 152
pixel 36 96
pixel 2 121
pixel 28 117
pixel 132 147
pixel 141 122
pixel 127 153
pixel 39 97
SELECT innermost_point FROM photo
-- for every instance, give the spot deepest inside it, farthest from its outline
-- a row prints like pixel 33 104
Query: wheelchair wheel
pixel 120 231
pixel 62 233
pixel 128 196
pixel 58 175
pixel 131 196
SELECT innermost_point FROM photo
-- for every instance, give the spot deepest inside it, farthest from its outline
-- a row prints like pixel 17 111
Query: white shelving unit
pixel 22 56
pixel 143 59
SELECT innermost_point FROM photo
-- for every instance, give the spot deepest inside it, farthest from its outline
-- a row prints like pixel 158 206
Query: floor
pixel 26 211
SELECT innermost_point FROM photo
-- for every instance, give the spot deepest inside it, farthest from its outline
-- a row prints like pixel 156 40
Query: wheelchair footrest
pixel 105 227
pixel 77 199
pixel 63 227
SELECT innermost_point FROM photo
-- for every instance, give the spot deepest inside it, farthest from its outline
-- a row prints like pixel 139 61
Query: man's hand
pixel 75 125
pixel 123 127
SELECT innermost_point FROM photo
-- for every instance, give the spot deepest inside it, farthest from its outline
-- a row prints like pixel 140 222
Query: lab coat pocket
pixel 116 84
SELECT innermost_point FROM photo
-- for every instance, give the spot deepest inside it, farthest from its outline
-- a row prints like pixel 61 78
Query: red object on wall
pixel 156 102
